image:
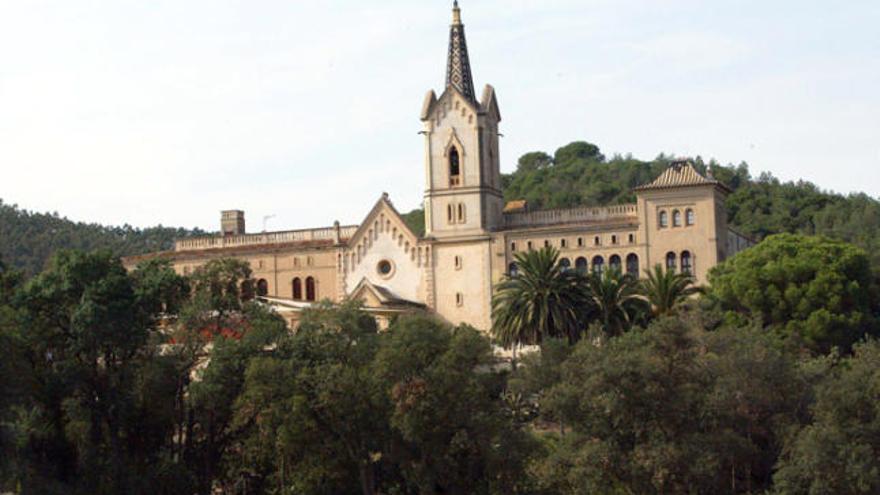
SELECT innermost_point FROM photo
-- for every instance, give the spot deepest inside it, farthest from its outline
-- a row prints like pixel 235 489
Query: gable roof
pixel 384 204
pixel 681 174
pixel 382 294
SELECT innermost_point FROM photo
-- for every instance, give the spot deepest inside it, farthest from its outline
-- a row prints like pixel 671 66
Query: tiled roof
pixel 515 205
pixel 458 65
pixel 680 174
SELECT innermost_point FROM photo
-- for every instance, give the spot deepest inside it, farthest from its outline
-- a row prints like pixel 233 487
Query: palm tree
pixel 616 300
pixel 542 299
pixel 665 290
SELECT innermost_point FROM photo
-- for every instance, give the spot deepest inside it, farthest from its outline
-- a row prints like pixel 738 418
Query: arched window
pixel 676 218
pixel 599 265
pixel 262 288
pixel 449 216
pixel 615 264
pixel 565 264
pixel 461 213
pixel 632 265
pixel 690 217
pixel 580 265
pixel 297 289
pixel 664 219
pixel 670 261
pixel 687 263
pixel 512 270
pixel 310 289
pixel 454 167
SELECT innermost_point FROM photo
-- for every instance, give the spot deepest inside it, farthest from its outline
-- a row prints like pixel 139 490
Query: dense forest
pixel 28 239
pixel 576 174
pixel 152 383
pixel 765 380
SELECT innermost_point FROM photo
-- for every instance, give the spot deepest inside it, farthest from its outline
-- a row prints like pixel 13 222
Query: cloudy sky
pixel 167 111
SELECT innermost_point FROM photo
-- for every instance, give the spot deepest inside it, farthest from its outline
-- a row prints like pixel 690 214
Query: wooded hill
pixel 28 239
pixel 576 174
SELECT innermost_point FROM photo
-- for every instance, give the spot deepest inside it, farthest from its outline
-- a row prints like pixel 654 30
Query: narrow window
pixel 449 217
pixel 546 243
pixel 687 263
pixel 664 219
pixel 615 264
pixel 262 288
pixel 614 239
pixel 632 239
pixel 454 167
pixel 632 265
pixel 597 241
pixel 599 265
pixel 311 294
pixel 459 299
pixel 513 246
pixel 565 264
pixel 562 243
pixel 670 261
pixel 580 265
pixel 458 262
pixel 676 218
pixel 297 289
pixel 580 242
pixel 461 213
pixel 512 270
pixel 689 217
pixel 529 245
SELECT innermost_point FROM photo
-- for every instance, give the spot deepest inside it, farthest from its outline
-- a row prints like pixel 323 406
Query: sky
pixel 168 111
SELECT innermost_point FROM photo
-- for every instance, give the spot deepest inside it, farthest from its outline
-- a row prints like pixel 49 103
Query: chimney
pixel 232 222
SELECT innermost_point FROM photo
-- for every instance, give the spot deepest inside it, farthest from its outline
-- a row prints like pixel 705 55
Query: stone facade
pixel 471 236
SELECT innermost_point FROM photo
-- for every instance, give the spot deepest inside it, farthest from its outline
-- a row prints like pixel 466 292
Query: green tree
pixel 536 160
pixel 839 452
pixel 666 290
pixel 218 295
pixel 94 420
pixel 159 288
pixel 615 300
pixel 813 289
pixel 672 410
pixel 542 299
pixel 448 418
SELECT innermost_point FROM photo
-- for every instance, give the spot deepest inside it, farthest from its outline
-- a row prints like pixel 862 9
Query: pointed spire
pixel 458 67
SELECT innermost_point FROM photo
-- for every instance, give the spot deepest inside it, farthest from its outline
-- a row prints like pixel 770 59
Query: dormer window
pixel 454 167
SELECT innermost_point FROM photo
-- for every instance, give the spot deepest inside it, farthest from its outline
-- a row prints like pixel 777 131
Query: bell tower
pixel 462 168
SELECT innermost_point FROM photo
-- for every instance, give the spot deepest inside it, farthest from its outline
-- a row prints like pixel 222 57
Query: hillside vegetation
pixel 579 174
pixel 28 239
pixel 576 174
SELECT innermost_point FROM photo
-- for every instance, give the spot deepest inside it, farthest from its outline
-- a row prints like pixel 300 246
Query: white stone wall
pixel 472 281
pixel 406 275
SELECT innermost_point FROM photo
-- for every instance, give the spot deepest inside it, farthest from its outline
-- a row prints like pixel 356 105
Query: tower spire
pixel 458 66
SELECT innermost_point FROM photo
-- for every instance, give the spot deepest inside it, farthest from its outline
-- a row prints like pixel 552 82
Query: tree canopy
pixel 817 290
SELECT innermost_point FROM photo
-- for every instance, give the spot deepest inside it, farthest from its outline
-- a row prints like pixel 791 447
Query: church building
pixel 471 236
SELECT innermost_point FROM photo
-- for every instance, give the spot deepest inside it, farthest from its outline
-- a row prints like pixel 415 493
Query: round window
pixel 385 268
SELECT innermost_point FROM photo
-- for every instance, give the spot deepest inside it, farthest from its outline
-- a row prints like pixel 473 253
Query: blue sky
pixel 168 111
